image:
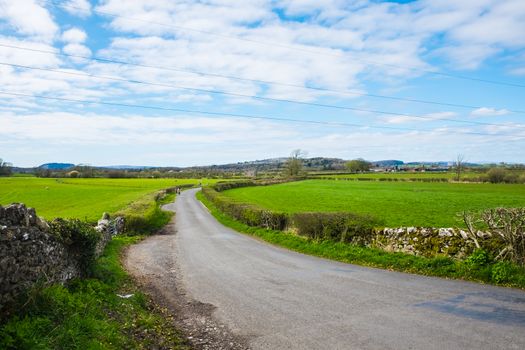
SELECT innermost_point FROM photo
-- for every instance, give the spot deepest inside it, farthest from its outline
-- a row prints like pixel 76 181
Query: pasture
pixel 397 203
pixel 449 175
pixel 81 198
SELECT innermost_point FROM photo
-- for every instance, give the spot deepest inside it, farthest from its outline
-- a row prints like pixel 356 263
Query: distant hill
pixel 318 163
pixel 428 164
pixel 127 167
pixel 56 166
pixel 272 164
pixel 387 163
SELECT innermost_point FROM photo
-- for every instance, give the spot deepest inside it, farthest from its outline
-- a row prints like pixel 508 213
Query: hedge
pixel 80 237
pixel 248 214
pixel 341 227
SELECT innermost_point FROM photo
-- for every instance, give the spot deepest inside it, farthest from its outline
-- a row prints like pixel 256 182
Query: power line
pixel 248 96
pixel 290 47
pixel 267 82
pixel 249 116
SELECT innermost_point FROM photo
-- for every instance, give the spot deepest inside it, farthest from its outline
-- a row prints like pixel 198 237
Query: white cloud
pixel 499 23
pixel 488 112
pixel 390 34
pixel 75 129
pixel 74 36
pixel 29 18
pixel 77 49
pixel 401 119
pixel 518 71
pixel 281 66
pixel 80 8
pixel 22 57
pixel 467 56
pixel 192 140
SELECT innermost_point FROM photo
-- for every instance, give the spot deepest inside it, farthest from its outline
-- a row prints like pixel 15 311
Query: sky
pixel 182 83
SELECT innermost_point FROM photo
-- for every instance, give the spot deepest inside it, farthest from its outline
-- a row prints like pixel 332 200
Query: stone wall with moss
pixel 30 255
pixel 424 241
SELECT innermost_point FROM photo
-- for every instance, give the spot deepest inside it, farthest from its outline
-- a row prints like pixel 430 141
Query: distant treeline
pixel 93 172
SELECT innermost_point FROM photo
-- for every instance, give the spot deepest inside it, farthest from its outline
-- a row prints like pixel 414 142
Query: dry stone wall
pixel 29 254
pixel 424 241
pixel 108 228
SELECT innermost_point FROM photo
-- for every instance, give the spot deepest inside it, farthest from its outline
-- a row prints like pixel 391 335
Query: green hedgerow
pixel 80 237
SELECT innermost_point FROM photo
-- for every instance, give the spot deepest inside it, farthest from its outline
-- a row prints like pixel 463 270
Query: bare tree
pixel 294 164
pixel 509 225
pixel 459 165
pixel 470 221
pixel 506 224
pixel 5 168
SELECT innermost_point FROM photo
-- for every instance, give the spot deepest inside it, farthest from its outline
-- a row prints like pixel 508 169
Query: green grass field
pixel 397 203
pixel 81 198
pixel 399 175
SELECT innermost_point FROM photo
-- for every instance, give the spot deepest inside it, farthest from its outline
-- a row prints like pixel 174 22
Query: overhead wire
pixel 248 116
pixel 266 82
pixel 172 86
pixel 290 47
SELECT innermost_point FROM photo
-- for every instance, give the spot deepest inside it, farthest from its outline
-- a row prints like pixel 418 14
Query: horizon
pixel 258 160
pixel 177 82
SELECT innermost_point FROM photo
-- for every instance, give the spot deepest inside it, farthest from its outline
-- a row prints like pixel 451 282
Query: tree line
pixel 5 168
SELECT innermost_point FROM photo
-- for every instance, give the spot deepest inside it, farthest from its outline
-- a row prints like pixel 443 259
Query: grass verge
pixel 145 215
pixel 105 311
pixel 478 267
pixel 89 313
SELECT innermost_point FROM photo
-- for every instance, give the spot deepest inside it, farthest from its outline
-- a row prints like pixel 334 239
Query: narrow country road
pixel 277 299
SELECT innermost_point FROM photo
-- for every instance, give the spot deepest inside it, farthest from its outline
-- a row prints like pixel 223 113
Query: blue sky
pixel 468 56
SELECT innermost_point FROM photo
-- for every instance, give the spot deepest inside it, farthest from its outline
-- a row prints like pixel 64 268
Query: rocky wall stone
pixel 425 241
pixel 30 255
pixel 108 228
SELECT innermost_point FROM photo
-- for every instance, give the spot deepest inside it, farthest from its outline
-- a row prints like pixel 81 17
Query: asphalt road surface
pixel 278 299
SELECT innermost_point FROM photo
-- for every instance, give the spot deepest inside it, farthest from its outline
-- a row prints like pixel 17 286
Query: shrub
pixel 342 227
pixel 501 272
pixel 229 185
pixel 510 178
pixel 224 186
pixel 507 229
pixel 80 237
pixel 477 259
pixel 146 221
pixel 73 174
pixel 145 216
pixel 508 224
pixel 496 175
pixel 250 215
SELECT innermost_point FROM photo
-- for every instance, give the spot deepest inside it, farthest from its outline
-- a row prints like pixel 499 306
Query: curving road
pixel 279 299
